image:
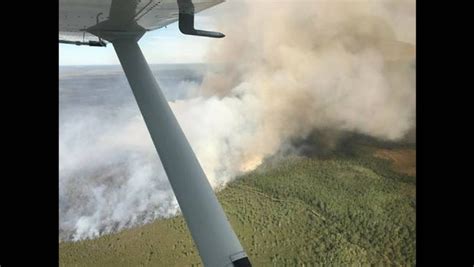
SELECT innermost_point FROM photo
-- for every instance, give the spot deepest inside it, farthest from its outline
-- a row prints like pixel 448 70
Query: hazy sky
pixel 165 45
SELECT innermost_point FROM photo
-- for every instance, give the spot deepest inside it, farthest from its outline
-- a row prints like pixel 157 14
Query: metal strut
pixel 217 243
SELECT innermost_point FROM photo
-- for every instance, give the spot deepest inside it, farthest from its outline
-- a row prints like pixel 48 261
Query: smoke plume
pixel 287 69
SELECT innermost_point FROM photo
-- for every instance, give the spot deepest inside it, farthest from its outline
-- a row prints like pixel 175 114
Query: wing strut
pixel 217 243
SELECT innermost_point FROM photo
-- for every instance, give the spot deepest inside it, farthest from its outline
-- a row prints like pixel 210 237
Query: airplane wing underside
pixel 77 16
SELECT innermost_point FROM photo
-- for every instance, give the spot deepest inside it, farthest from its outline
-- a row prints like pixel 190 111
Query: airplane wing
pixel 77 16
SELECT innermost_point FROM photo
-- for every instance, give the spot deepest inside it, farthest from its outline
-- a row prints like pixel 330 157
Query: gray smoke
pixel 289 68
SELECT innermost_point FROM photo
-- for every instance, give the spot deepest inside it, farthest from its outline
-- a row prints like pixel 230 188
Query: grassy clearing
pixel 403 160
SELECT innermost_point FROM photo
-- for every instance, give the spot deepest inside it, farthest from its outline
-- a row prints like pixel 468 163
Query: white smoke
pixel 289 68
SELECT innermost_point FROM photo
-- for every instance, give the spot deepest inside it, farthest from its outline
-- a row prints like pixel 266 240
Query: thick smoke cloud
pixel 287 69
pixel 295 67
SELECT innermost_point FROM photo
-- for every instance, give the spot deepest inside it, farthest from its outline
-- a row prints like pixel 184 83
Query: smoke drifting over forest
pixel 288 69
